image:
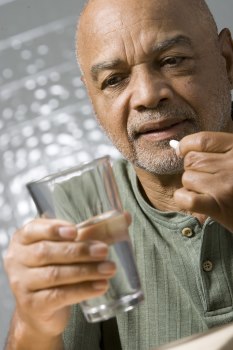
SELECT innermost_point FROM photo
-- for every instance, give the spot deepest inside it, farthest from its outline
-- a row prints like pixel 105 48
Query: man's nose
pixel 149 89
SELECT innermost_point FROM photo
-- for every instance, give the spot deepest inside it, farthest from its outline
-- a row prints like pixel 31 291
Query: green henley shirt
pixel 186 270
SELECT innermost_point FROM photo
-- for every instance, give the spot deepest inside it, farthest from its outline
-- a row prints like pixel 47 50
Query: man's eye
pixel 112 81
pixel 172 61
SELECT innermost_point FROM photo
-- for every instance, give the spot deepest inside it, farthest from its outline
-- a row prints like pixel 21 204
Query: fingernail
pixel 100 285
pixel 178 151
pixel 68 232
pixel 98 250
pixel 106 268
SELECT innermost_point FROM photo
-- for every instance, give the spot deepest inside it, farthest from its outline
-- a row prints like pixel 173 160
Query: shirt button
pixel 207 266
pixel 187 232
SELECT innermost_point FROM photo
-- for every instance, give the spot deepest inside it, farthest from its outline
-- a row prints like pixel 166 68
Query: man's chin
pixel 172 166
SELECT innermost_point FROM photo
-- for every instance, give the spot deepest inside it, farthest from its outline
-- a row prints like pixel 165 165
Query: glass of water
pixel 87 195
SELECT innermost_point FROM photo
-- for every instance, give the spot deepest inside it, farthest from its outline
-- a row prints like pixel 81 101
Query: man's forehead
pixel 103 20
pixel 106 16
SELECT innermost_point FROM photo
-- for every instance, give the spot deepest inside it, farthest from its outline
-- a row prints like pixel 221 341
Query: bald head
pixel 150 60
pixel 95 10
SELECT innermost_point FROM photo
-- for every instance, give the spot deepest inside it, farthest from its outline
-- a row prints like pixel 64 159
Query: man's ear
pixel 226 47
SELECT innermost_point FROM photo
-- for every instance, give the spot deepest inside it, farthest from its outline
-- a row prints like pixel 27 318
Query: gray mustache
pixel 167 113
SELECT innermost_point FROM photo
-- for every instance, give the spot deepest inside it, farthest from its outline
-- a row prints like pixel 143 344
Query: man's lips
pixel 160 129
pixel 157 126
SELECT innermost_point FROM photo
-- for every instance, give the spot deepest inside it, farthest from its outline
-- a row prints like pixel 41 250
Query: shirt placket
pixel 214 279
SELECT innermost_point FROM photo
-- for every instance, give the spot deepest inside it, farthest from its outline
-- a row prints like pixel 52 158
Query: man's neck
pixel 158 191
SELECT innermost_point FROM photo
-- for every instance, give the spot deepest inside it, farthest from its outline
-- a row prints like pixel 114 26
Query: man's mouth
pixel 161 130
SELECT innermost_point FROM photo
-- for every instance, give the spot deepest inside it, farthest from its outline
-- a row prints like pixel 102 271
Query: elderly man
pixel 155 70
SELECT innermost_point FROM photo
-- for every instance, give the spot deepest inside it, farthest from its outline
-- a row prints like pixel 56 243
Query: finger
pixel 55 275
pixel 128 218
pixel 199 182
pixel 213 142
pixel 195 202
pixel 218 186
pixel 46 229
pixel 57 230
pixel 204 162
pixel 52 299
pixel 47 253
pixel 109 231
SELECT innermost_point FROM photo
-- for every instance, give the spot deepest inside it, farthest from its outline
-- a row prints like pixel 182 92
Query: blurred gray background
pixel 46 121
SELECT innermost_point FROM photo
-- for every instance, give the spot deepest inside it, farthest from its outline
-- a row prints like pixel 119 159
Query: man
pixel 155 70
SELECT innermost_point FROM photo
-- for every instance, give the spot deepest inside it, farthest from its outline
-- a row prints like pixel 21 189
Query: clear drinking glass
pixel 87 195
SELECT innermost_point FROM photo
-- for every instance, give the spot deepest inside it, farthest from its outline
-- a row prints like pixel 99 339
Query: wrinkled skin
pixel 146 89
pixel 138 79
pixel 153 80
pixel 52 265
pixel 207 179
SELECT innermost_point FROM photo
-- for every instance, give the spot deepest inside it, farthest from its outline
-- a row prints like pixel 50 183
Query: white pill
pixel 174 144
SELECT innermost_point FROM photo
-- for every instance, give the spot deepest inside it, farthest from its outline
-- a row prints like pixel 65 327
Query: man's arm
pixel 20 337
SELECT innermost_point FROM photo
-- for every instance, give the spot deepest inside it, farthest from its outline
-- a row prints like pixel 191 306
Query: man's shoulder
pixel 121 166
pixel 126 181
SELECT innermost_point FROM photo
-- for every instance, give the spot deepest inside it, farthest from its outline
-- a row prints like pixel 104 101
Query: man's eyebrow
pixel 157 48
pixel 105 65
pixel 169 43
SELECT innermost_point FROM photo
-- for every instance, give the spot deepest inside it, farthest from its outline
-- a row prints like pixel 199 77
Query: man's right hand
pixel 50 269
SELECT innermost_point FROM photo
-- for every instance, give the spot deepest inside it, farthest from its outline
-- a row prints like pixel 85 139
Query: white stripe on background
pixel 4 2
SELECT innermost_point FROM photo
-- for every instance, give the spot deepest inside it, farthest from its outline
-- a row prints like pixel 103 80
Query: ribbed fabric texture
pixel 181 298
